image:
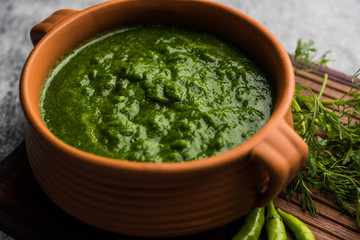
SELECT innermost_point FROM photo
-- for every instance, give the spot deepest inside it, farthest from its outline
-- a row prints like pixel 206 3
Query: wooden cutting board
pixel 27 213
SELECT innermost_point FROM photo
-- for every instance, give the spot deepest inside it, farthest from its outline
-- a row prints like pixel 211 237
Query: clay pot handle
pixel 282 154
pixel 39 30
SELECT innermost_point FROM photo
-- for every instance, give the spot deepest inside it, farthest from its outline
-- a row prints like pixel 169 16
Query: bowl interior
pixel 210 16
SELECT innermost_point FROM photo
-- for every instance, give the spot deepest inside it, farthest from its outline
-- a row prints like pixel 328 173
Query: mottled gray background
pixel 332 24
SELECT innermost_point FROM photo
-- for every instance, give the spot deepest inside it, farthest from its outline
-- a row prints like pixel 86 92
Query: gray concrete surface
pixel 331 24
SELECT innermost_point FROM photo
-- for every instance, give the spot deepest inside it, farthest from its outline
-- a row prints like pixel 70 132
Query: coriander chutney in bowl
pixel 156 93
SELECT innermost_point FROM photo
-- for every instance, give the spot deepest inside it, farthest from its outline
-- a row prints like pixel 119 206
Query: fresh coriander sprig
pixel 305 56
pixel 333 138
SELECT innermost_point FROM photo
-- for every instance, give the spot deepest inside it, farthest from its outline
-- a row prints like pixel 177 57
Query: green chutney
pixel 156 94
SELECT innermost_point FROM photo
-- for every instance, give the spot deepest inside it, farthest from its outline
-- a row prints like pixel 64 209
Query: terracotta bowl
pixel 166 199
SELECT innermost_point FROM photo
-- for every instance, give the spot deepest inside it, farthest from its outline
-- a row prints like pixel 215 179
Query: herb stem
pixel 323 86
pixel 336 102
pixel 348 177
pixel 296 106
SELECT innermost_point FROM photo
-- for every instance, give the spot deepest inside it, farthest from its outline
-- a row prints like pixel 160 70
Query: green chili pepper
pixel 253 223
pixel 300 230
pixel 274 225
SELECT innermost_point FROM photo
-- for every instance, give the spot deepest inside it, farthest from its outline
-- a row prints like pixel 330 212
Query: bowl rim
pixel 32 112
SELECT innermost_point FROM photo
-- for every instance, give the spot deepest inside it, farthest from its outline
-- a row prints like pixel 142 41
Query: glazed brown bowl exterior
pixel 166 199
